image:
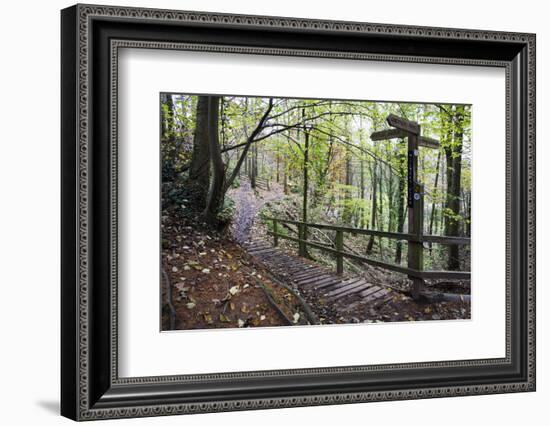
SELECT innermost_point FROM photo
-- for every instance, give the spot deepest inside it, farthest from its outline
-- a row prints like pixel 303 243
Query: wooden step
pixel 346 282
pixel 314 279
pixel 376 295
pixel 263 251
pixel 381 300
pixel 256 249
pixel 313 275
pixel 307 272
pixel 350 291
pixel 295 269
pixel 345 289
pixel 330 279
pixel 369 291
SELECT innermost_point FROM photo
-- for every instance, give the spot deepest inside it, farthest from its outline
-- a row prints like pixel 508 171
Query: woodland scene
pixel 289 212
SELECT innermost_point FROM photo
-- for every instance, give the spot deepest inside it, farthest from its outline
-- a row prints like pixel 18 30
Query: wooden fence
pixel 338 247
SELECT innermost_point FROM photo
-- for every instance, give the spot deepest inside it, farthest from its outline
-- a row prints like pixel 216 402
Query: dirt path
pixel 247 207
pixel 361 297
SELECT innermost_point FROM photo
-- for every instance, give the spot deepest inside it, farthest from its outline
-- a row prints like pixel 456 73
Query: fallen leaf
pixel 240 322
pixel 234 290
pixel 205 271
pixel 181 287
pixel 296 317
pixel 190 305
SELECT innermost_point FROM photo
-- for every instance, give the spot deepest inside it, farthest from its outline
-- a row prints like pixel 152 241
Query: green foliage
pixel 346 169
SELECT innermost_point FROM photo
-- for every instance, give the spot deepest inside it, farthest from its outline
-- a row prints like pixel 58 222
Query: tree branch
pixel 247 145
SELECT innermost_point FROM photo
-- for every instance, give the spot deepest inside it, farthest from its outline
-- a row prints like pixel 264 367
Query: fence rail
pixel 340 254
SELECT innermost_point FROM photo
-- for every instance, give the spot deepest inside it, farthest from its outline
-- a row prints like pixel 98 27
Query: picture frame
pixel 90 385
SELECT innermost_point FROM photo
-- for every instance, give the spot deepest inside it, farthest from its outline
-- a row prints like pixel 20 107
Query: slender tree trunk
pixel 434 202
pixel 199 169
pixel 374 207
pixel 278 164
pixel 391 197
pixel 285 178
pixel 453 155
pixel 401 210
pixel 306 177
pixel 215 194
pixel 380 208
pixel 362 193
pixel 253 166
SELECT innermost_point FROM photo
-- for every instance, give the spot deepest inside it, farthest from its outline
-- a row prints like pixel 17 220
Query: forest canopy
pixel 210 141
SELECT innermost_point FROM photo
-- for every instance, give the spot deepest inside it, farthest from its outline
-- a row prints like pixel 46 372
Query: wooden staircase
pixel 342 293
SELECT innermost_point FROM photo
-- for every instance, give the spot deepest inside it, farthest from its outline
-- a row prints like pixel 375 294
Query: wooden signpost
pixel 403 124
pixel 403 128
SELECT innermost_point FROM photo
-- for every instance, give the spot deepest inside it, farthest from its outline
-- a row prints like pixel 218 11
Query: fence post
pixel 339 243
pixel 275 233
pixel 302 237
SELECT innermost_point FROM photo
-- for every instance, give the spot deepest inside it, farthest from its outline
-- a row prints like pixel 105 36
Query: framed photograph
pixel 263 212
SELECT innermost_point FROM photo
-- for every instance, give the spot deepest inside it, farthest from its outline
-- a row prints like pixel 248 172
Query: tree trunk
pixel 253 166
pixel 306 177
pixel 362 193
pixel 432 214
pixel 215 194
pixel 278 165
pixel 380 206
pixel 285 178
pixel 401 209
pixel 373 208
pixel 199 169
pixel 453 155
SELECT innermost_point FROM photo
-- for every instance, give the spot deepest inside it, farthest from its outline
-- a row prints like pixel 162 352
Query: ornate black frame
pixel 91 388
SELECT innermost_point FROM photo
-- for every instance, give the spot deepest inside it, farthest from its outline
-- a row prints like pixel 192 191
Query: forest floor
pixel 216 283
